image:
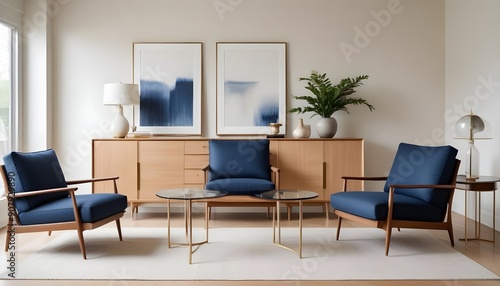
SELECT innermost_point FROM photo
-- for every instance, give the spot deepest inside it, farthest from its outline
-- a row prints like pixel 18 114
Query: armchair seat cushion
pixel 240 186
pixel 374 206
pixel 92 207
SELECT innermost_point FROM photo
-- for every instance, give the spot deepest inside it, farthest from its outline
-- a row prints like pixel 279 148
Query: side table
pixel 188 195
pixel 479 185
pixel 287 196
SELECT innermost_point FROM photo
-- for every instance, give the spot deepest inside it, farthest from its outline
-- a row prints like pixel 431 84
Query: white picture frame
pixel 251 87
pixel 170 83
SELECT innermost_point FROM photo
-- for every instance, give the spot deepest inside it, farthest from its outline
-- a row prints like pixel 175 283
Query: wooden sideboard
pixel 147 165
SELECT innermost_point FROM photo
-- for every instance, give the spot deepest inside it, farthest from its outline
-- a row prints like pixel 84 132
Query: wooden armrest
pixel 365 178
pixel 73 182
pixel 422 186
pixel 41 192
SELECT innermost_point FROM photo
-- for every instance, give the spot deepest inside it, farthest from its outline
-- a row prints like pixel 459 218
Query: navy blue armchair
pixel 418 193
pixel 40 199
pixel 240 167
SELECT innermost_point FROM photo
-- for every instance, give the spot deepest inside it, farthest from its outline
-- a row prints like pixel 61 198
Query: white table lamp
pixel 120 94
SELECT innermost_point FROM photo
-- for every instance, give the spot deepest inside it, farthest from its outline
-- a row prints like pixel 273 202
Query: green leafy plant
pixel 329 98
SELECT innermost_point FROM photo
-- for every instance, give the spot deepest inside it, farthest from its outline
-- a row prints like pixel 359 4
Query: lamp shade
pixel 121 94
pixel 467 126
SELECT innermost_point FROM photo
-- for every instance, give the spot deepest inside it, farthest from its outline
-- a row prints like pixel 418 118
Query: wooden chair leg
pixel 339 224
pixel 119 228
pixel 82 243
pixel 289 212
pixel 388 240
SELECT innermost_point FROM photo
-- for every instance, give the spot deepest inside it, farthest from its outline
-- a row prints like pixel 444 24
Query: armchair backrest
pixel 33 171
pixel 239 159
pixel 417 165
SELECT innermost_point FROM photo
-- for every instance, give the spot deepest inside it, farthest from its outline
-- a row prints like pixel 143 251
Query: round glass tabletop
pixel 284 195
pixel 189 194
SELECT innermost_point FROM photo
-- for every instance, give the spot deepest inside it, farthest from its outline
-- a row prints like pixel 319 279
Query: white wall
pixel 473 82
pixel 404 57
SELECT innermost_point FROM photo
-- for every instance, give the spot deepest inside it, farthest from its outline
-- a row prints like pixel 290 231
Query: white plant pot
pixel 326 127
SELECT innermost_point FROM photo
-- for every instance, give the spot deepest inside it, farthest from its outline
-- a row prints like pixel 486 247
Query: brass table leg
pixel 188 226
pixel 277 225
pixel 477 218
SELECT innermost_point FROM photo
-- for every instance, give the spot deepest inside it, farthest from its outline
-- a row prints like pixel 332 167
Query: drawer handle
pixel 324 175
pixel 138 176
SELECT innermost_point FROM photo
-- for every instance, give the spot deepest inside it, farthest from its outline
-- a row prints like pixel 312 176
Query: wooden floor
pixel 485 253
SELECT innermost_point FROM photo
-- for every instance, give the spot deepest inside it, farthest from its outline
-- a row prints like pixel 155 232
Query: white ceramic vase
pixel 326 127
pixel 302 130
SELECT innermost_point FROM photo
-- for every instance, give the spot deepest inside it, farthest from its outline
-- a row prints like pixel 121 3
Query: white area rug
pixel 249 254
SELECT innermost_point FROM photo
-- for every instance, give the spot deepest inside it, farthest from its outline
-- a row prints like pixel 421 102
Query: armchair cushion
pixel 92 207
pixel 239 159
pixel 423 165
pixel 34 171
pixel 374 206
pixel 241 186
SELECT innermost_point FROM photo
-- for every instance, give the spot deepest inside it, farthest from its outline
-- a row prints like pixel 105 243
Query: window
pixel 8 90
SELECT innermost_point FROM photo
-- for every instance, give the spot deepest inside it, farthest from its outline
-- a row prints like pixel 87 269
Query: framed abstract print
pixel 251 87
pixel 169 77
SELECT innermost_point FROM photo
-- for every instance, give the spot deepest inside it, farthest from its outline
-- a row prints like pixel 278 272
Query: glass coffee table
pixel 188 195
pixel 286 196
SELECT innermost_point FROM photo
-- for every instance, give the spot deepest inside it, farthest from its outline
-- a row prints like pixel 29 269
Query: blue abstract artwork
pixel 249 108
pixel 165 106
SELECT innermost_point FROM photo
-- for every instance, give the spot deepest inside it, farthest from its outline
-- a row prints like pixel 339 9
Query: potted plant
pixel 328 99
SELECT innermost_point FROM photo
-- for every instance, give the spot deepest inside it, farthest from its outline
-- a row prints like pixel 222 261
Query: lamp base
pixel 119 126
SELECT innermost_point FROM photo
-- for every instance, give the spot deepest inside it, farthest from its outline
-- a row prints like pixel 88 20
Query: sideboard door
pixel 115 158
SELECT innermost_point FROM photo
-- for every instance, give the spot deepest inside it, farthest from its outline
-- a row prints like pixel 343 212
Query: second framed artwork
pixel 169 77
pixel 251 87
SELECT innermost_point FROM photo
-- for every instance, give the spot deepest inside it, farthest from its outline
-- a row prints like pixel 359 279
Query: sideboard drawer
pixel 193 177
pixel 195 161
pixel 196 147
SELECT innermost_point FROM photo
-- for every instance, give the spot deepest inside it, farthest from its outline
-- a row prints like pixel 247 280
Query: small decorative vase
pixel 275 128
pixel 302 130
pixel 326 127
